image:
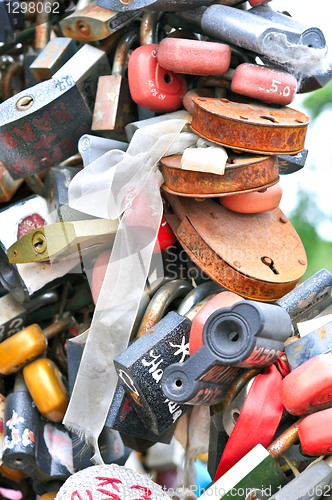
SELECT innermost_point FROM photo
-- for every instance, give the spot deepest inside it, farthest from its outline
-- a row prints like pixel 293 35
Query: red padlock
pixel 308 388
pixel 151 86
pixel 194 57
pixel 266 84
pixel 223 299
pixel 258 2
pixel 315 433
pixel 254 203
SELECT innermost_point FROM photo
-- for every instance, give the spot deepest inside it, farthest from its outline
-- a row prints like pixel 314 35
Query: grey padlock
pixel 40 126
pixel 289 164
pixel 92 147
pixel 85 67
pixel 56 189
pixel 54 55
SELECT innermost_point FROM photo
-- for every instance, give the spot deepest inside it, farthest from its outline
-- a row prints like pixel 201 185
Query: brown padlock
pixel 243 173
pixel 114 108
pixel 257 256
pixel 252 127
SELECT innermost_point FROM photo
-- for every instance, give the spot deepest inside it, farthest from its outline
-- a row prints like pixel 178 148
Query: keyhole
pixel 167 78
pixel 269 263
pixel 233 336
pixel 39 242
pixel 24 103
pixel 178 382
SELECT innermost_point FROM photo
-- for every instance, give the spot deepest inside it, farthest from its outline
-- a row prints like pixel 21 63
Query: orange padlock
pixel 254 203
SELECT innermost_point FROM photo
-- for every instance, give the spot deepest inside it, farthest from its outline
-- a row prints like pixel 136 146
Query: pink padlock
pixel 194 57
pixel 264 83
pixel 151 86
pixel 254 203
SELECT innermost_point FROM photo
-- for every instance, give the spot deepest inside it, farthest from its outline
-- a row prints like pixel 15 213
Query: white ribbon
pixel 119 183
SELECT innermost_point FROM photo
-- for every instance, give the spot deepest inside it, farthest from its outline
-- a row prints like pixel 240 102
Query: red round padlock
pixel 315 433
pixel 223 299
pixel 308 388
pixel 254 203
pixel 150 85
pixel 194 57
pixel 166 238
pixel 264 83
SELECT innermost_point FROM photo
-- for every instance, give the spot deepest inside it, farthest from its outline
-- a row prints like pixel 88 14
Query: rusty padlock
pixel 54 55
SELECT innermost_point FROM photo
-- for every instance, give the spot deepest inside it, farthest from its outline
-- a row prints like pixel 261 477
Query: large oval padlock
pixel 150 85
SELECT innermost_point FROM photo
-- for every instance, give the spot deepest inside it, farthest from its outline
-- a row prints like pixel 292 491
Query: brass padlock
pixel 114 108
pixel 248 254
pixel 94 23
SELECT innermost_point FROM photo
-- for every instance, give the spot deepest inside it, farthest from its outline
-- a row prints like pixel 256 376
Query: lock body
pixel 150 85
pixel 315 433
pixel 253 203
pixel 193 57
pixel 141 366
pixel 43 380
pixel 54 55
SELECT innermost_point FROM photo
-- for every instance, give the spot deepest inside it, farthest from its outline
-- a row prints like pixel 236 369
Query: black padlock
pixel 141 366
pixel 248 334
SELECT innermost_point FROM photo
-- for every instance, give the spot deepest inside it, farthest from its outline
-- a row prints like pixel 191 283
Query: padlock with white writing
pixel 114 107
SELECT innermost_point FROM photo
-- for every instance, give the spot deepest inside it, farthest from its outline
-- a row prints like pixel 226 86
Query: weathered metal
pixel 252 127
pixel 285 440
pixel 232 248
pixel 244 173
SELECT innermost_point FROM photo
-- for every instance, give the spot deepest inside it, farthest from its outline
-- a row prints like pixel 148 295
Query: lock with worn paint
pixel 114 108
pixel 247 334
pixel 85 67
pixel 92 23
pixel 217 240
pixel 141 366
pixel 27 344
pixel 54 55
pixel 151 86
pixel 40 127
pixel 35 446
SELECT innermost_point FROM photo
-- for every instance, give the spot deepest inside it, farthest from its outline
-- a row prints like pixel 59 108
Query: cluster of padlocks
pixel 149 279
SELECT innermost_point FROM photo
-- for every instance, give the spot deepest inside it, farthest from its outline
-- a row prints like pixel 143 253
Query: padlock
pixel 288 164
pixel 114 108
pixel 56 192
pixel 308 387
pixel 13 314
pixel 157 5
pixel 140 369
pixel 132 127
pixel 41 126
pixel 243 173
pixel 262 33
pixel 255 202
pixel 43 380
pixel 37 447
pixel 217 240
pixel 188 102
pixel 160 302
pixel 150 85
pixel 315 433
pixel 58 241
pixel 54 55
pixel 162 457
pixel 197 295
pixel 193 57
pixel 92 147
pixel 85 67
pixel 271 130
pixel 247 334
pixel 94 23
pixel 26 345
pixel 8 186
pixel 41 38
pixel 314 483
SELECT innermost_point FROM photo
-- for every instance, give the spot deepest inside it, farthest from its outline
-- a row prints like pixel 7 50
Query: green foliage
pixel 305 218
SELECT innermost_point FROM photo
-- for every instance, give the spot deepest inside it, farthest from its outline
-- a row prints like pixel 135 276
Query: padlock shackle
pixel 197 295
pixel 57 327
pixel 161 301
pixel 195 310
pixel 149 27
pixel 285 440
pixel 238 385
pixel 121 53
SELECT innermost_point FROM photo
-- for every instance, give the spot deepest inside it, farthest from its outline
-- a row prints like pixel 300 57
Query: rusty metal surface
pixel 285 440
pixel 195 310
pixel 250 127
pixel 161 301
pixel 149 28
pixel 43 28
pixel 243 173
pixel 227 275
pixel 57 327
